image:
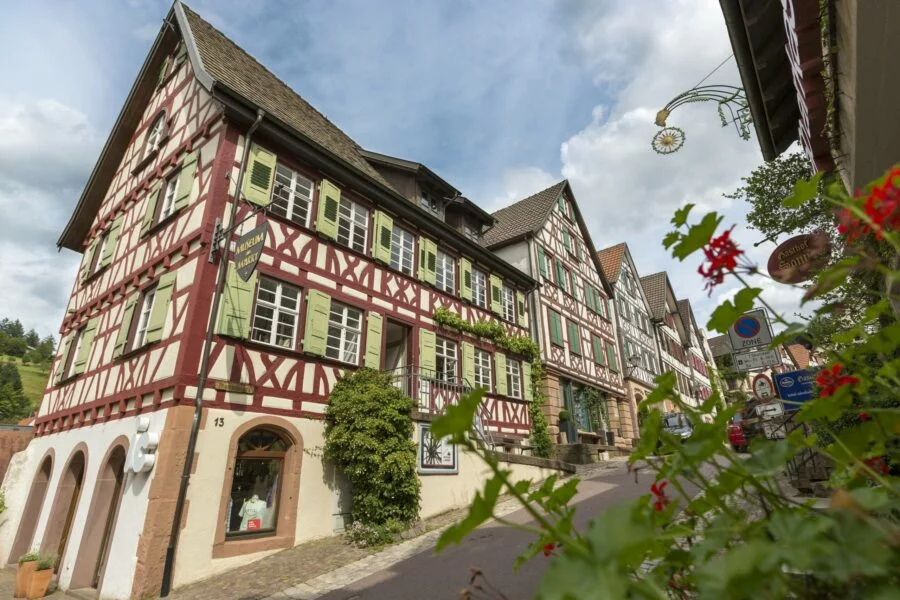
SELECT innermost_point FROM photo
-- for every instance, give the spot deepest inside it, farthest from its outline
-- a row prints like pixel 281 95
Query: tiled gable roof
pixel 684 310
pixel 799 354
pixel 719 345
pixel 655 290
pixel 523 217
pixel 611 261
pixel 231 66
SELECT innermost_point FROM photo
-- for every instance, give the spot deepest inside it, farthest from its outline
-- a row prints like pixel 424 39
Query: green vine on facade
pixel 516 344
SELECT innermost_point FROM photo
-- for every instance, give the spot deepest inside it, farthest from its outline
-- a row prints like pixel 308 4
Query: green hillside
pixel 34 379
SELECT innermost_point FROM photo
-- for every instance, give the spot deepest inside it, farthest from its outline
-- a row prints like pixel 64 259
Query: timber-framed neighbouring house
pixel 361 250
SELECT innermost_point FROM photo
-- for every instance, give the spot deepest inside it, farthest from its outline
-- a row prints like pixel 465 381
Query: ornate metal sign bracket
pixel 732 107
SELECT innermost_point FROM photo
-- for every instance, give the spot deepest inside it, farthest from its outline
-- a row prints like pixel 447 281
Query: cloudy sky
pixel 501 98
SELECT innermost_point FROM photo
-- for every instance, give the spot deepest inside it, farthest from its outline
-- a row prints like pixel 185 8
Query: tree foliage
pixel 368 435
pixel 14 405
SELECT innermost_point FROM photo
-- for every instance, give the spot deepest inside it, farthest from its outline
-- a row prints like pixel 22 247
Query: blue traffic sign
pixel 795 387
pixel 747 327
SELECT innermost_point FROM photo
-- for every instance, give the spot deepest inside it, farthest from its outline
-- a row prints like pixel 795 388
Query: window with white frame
pixel 402 250
pixel 509 304
pixel 140 333
pixel 101 249
pixel 482 369
pixel 276 313
pixel 344 328
pixel 353 225
pixel 154 135
pixel 445 272
pixel 446 360
pixel 292 195
pixel 514 378
pixel 479 288
pixel 167 206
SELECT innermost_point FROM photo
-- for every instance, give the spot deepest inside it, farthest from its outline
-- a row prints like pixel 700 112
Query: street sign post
pixel 795 387
pixel 752 361
pixel 750 330
pixel 763 388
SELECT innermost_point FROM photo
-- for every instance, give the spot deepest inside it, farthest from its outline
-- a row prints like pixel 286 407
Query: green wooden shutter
pixel 561 205
pixel 578 251
pixel 381 240
pixel 236 305
pixel 574 339
pixel 65 346
pixel 163 71
pixel 112 241
pixel 374 327
pixel 161 302
pixel 589 297
pixel 523 312
pixel 496 298
pixel 150 209
pixel 598 349
pixel 186 179
pixel 542 261
pixel 567 240
pixel 527 389
pixel 561 279
pixel 327 215
pixel 500 374
pixel 259 176
pixel 427 260
pixel 611 357
pixel 468 363
pixel 465 279
pixel 427 352
pixel 556 335
pixel 125 325
pixel 318 314
pixel 87 342
pixel 88 260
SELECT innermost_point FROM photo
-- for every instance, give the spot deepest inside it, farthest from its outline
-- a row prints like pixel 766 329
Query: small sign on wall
pixel 436 456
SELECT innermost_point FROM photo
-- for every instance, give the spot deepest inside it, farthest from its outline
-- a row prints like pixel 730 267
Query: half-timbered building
pixel 637 339
pixel 574 325
pixel 697 352
pixel 353 269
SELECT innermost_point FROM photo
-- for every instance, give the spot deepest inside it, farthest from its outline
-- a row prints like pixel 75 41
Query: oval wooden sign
pixel 796 259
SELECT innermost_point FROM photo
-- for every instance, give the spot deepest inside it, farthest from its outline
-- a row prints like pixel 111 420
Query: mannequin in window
pixel 252 513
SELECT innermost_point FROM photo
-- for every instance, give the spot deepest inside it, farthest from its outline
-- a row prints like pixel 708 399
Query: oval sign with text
pixel 799 257
pixel 248 249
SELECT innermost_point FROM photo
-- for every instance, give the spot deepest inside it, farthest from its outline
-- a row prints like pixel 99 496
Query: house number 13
pixel 219 422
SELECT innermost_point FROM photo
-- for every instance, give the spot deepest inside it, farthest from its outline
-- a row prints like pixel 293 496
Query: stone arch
pixel 104 508
pixel 65 503
pixel 289 488
pixel 33 504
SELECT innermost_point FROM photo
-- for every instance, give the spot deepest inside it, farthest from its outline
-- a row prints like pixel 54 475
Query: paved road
pixel 492 548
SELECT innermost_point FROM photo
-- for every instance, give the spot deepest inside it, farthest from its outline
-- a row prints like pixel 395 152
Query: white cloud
pixel 518 183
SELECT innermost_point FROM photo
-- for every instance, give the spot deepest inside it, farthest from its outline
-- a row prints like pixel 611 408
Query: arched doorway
pixel 59 523
pixel 32 510
pixel 98 530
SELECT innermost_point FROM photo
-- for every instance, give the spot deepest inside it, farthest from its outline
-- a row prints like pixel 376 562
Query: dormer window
pixel 430 204
pixel 472 232
pixel 155 135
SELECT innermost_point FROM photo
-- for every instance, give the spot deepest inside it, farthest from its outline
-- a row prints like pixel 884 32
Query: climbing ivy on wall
pixel 516 344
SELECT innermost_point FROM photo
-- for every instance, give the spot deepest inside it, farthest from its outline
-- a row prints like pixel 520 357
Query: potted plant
pixel 40 579
pixel 564 416
pixel 27 563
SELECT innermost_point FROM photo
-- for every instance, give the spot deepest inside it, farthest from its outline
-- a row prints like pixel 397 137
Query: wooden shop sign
pixel 234 387
pixel 248 249
pixel 798 258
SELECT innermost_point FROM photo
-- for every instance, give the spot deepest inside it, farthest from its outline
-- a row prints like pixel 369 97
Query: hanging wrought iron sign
pixel 732 108
pixel 799 257
pixel 248 249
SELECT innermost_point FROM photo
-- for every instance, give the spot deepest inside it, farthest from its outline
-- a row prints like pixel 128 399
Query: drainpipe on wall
pixel 204 370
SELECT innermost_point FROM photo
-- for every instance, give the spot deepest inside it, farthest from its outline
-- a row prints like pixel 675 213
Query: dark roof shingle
pixel 611 261
pixel 655 289
pixel 719 345
pixel 524 216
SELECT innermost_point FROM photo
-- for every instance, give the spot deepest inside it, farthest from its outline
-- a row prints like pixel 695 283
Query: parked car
pixel 736 435
pixel 678 425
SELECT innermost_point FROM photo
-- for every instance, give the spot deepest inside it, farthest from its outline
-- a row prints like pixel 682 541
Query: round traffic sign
pixel 747 327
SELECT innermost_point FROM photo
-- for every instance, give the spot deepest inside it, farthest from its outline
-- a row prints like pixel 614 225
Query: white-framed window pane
pixel 430 204
pixel 154 135
pixel 446 359
pixel 276 313
pixel 514 378
pixel 445 272
pixel 353 225
pixel 402 250
pixel 292 195
pixel 509 304
pixel 482 369
pixel 168 199
pixel 479 288
pixel 140 336
pixel 344 329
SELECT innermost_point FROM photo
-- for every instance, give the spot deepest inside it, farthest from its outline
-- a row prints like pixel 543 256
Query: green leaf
pixel 829 409
pixel 804 191
pixel 569 578
pixel 724 316
pixel 481 510
pixel 698 235
pixel 769 457
pixel 457 418
pixel 790 332
pixel 670 238
pixel 681 215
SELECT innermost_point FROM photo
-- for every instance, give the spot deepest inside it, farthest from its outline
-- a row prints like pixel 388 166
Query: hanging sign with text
pixel 248 249
pixel 800 257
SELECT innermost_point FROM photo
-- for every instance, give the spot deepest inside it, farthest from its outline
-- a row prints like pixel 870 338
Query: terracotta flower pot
pixel 23 577
pixel 40 581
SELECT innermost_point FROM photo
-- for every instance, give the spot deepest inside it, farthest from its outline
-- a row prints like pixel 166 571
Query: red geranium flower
pixel 830 380
pixel 548 548
pixel 882 206
pixel 864 416
pixel 878 464
pixel 722 253
pixel 659 491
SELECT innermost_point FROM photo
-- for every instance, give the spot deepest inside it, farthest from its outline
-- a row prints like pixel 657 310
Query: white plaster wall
pixel 516 255
pixel 16 485
pixel 132 510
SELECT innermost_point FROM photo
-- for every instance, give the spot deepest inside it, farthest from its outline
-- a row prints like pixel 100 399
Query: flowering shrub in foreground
pixel 742 536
